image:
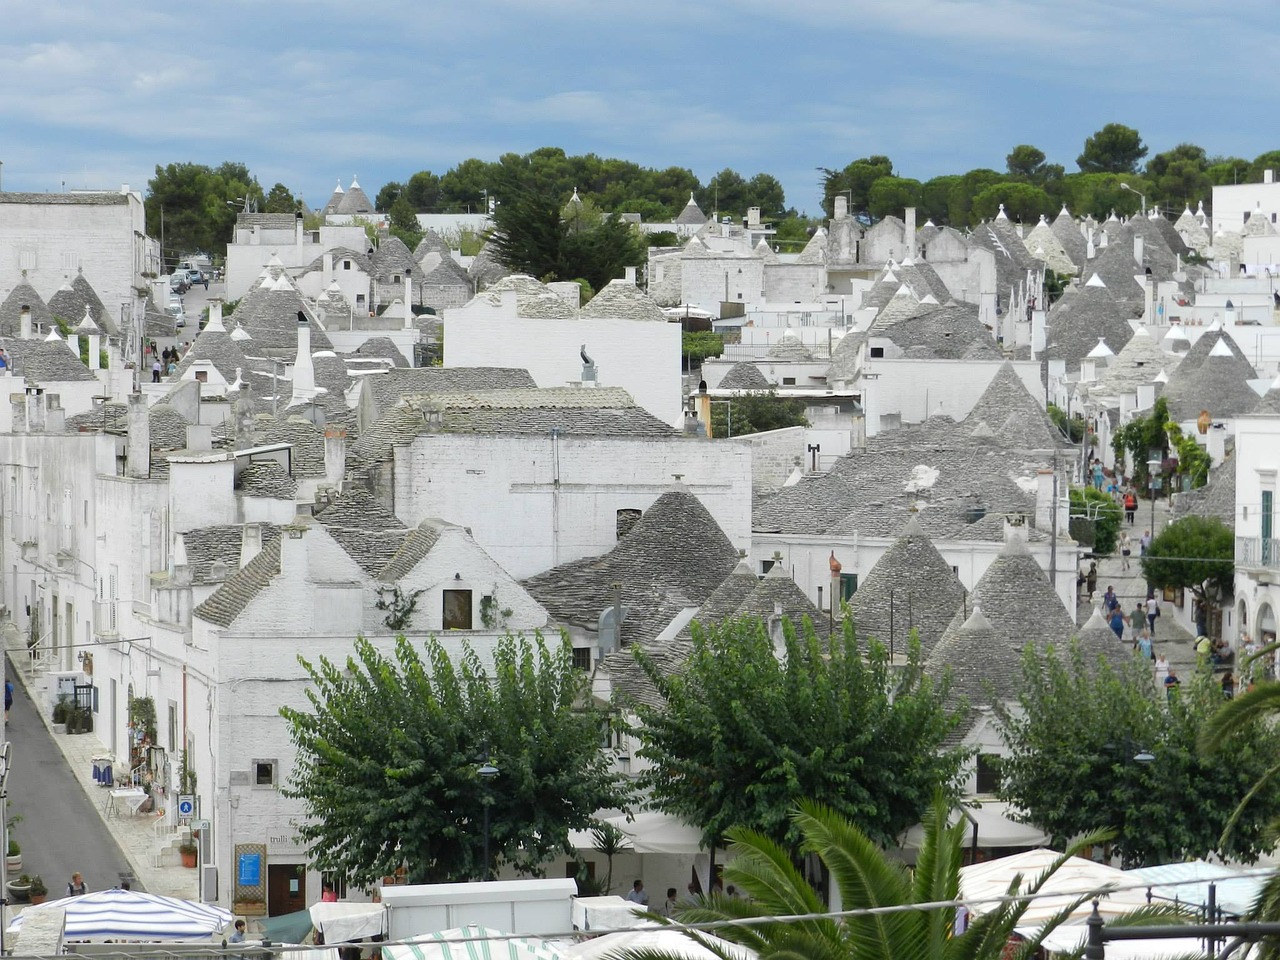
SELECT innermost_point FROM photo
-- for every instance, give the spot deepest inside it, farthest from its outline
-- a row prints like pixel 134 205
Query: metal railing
pixel 1258 552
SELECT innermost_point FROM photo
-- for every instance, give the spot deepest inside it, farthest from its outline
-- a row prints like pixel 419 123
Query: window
pixel 396 278
pixel 346 264
pixel 1268 526
pixel 27 260
pixel 582 658
pixel 173 727
pixel 877 351
pixel 264 773
pixel 988 773
pixel 766 566
pixel 626 519
pixel 788 381
pixel 202 376
pixel 457 610
pixel 848 586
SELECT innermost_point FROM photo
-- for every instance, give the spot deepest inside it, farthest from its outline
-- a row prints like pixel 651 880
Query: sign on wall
pixel 249 870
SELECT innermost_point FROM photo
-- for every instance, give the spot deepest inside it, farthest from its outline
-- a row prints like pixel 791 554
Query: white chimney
pixel 250 542
pixel 629 274
pixel 297 230
pixel 199 436
pixel 1137 251
pixel 24 323
pixel 55 416
pixel 326 270
pixel 138 444
pixel 910 231
pixel 408 299
pixel 1044 499
pixel 215 315
pixel 18 412
pixel 1268 176
pixel 335 455
pixel 304 371
pixel 1146 395
pixel 753 216
pixel 842 206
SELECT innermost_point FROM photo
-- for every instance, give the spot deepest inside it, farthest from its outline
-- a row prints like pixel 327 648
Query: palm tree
pixel 867 878
pixel 1259 705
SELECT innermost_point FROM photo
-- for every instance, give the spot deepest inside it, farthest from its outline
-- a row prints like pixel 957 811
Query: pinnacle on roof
pixel 53 335
pixel 1094 281
pixel 1001 214
pixel 1220 349
pixel 1101 350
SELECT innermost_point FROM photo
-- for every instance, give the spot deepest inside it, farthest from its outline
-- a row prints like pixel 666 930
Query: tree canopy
pixel 389 750
pixel 197 205
pixel 1195 553
pixel 756 412
pixel 746 732
pixel 1113 149
pixel 1073 765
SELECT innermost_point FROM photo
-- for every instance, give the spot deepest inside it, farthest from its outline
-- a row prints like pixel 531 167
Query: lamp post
pixel 1141 196
pixel 486 771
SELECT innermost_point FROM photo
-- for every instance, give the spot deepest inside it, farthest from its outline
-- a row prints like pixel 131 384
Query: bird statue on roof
pixel 834 564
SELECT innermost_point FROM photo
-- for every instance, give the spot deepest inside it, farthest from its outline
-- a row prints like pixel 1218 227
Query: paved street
pixel 60 830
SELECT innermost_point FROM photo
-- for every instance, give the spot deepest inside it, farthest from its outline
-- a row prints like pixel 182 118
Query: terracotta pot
pixel 39 898
pixel 188 859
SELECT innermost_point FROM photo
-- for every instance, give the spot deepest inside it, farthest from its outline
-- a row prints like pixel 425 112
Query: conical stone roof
pixel 1218 384
pixel 910 587
pixel 744 376
pixel 1008 408
pixel 1080 317
pixel 622 300
pixel 23 294
pixel 790 347
pixel 692 214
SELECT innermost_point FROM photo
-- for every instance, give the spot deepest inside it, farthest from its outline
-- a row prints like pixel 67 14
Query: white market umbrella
pixel 472 942
pixel 133 915
pixel 672 942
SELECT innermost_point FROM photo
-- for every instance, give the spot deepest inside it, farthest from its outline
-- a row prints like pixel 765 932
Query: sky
pixel 98 94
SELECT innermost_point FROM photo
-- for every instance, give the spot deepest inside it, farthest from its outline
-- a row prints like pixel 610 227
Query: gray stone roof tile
pixel 1215 383
pixel 622 300
pixel 413 548
pixel 206 546
pixel 1008 408
pixel 384 348
pixel 238 591
pixel 744 375
pixel 268 479
pixel 23 294
pixel 394 385
pixel 1217 498
pixel 45 361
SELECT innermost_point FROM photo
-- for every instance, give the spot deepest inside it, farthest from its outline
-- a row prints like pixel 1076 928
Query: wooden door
pixel 286 888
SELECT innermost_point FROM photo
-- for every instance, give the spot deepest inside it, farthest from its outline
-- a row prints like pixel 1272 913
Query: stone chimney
pixel 842 207
pixel 304 371
pixel 199 436
pixel 250 542
pixel 18 412
pixel 335 454
pixel 293 549
pixel 215 314
pixel 55 419
pixel 408 299
pixel 36 407
pixel 910 232
pixel 1044 499
pixel 297 230
pixel 629 274
pixel 24 323
pixel 1137 251
pixel 138 445
pixel 1146 395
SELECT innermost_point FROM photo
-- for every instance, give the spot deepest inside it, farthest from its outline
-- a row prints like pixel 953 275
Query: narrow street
pixel 59 832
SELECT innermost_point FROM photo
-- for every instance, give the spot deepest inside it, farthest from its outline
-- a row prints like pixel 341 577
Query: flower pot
pixel 13 865
pixel 21 892
pixel 59 728
pixel 245 908
pixel 39 898
pixel 188 859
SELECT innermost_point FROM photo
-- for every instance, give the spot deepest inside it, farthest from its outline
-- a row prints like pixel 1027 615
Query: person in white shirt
pixel 638 894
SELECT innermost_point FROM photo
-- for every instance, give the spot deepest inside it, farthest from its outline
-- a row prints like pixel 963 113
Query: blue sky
pixel 97 94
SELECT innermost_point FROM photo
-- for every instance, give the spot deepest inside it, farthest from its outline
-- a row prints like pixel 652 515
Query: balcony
pixel 104 618
pixel 1258 553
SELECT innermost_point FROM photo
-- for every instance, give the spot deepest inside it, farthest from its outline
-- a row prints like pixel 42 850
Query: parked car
pixel 195 276
pixel 178 283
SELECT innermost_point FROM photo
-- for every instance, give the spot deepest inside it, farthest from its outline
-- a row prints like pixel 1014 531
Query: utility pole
pixel 1053 528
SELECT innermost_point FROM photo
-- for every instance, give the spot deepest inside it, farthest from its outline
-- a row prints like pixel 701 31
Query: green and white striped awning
pixel 472 943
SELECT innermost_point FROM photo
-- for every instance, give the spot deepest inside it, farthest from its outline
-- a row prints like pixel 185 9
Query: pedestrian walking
pixel 1117 621
pixel 155 370
pixel 1144 543
pixel 1144 645
pixel 1126 549
pixel 1130 506
pixel 76 888
pixel 1091 578
pixel 1162 669
pixel 8 699
pixel 1153 612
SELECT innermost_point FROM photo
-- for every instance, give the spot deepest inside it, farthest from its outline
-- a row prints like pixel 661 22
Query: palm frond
pixel 1262 701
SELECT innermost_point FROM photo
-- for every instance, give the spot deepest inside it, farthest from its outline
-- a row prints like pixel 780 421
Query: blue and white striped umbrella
pixel 137 916
pixel 470 943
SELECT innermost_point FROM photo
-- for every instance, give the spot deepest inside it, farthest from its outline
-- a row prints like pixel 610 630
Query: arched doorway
pixel 1266 625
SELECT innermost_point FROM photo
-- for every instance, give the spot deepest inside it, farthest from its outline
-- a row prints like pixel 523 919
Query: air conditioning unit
pixel 209 883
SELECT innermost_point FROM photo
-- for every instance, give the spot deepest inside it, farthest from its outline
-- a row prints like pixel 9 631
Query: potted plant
pixel 60 711
pixel 188 850
pixel 20 889
pixel 13 859
pixel 38 890
pixel 253 907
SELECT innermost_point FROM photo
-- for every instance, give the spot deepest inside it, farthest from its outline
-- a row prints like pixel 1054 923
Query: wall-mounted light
pixel 457 576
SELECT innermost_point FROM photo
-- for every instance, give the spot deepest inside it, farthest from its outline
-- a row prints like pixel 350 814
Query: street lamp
pixel 1142 196
pixel 486 771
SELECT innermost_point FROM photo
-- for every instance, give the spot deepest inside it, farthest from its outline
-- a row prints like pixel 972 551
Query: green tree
pixel 1264 161
pixel 890 196
pixel 698 345
pixel 1140 439
pixel 1026 163
pixel 1113 149
pixel 602 253
pixel 1197 554
pixel 1021 201
pixel 1075 742
pixel 280 200
pixel 744 733
pixel 387 196
pixel 855 181
pixel 726 193
pixel 1227 171
pixel 756 412
pixel 388 753
pixel 764 191
pixel 423 191
pixel 869 879
pixel 195 206
pixel 1193 460
pixel 935 202
pixel 960 201
pixel 528 234
pixel 404 222
pixel 1095 519
pixel 1159 165
pixel 463 187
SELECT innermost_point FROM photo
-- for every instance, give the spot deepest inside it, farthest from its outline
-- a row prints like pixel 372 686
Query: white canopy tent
pixel 648 832
pixel 673 943
pixel 990 880
pixel 344 922
pixel 996 823
pixel 473 943
pixel 128 914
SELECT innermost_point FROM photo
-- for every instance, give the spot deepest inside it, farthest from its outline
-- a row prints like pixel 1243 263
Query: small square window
pixel 582 658
pixel 877 351
pixel 788 381
pixel 202 376
pixel 346 264
pixel 264 773
pixel 988 773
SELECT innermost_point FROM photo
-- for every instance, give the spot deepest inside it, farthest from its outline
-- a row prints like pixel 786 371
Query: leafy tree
pixel 1226 171
pixel 744 733
pixel 1140 438
pixel 1159 165
pixel 698 345
pixel 1196 553
pixel 1095 519
pixel 793 233
pixel 960 201
pixel 1073 428
pixel 389 194
pixel 423 191
pixel 602 253
pixel 756 412
pixel 1073 743
pixel 528 234
pixel 1113 149
pixel 464 186
pixel 868 879
pixel 764 191
pixel 935 203
pixel 1026 163
pixel 855 180
pixel 198 205
pixel 1193 460
pixel 726 192
pixel 404 222
pixel 1097 194
pixel 280 200
pixel 1265 161
pixel 1021 201
pixel 387 757
pixel 889 196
